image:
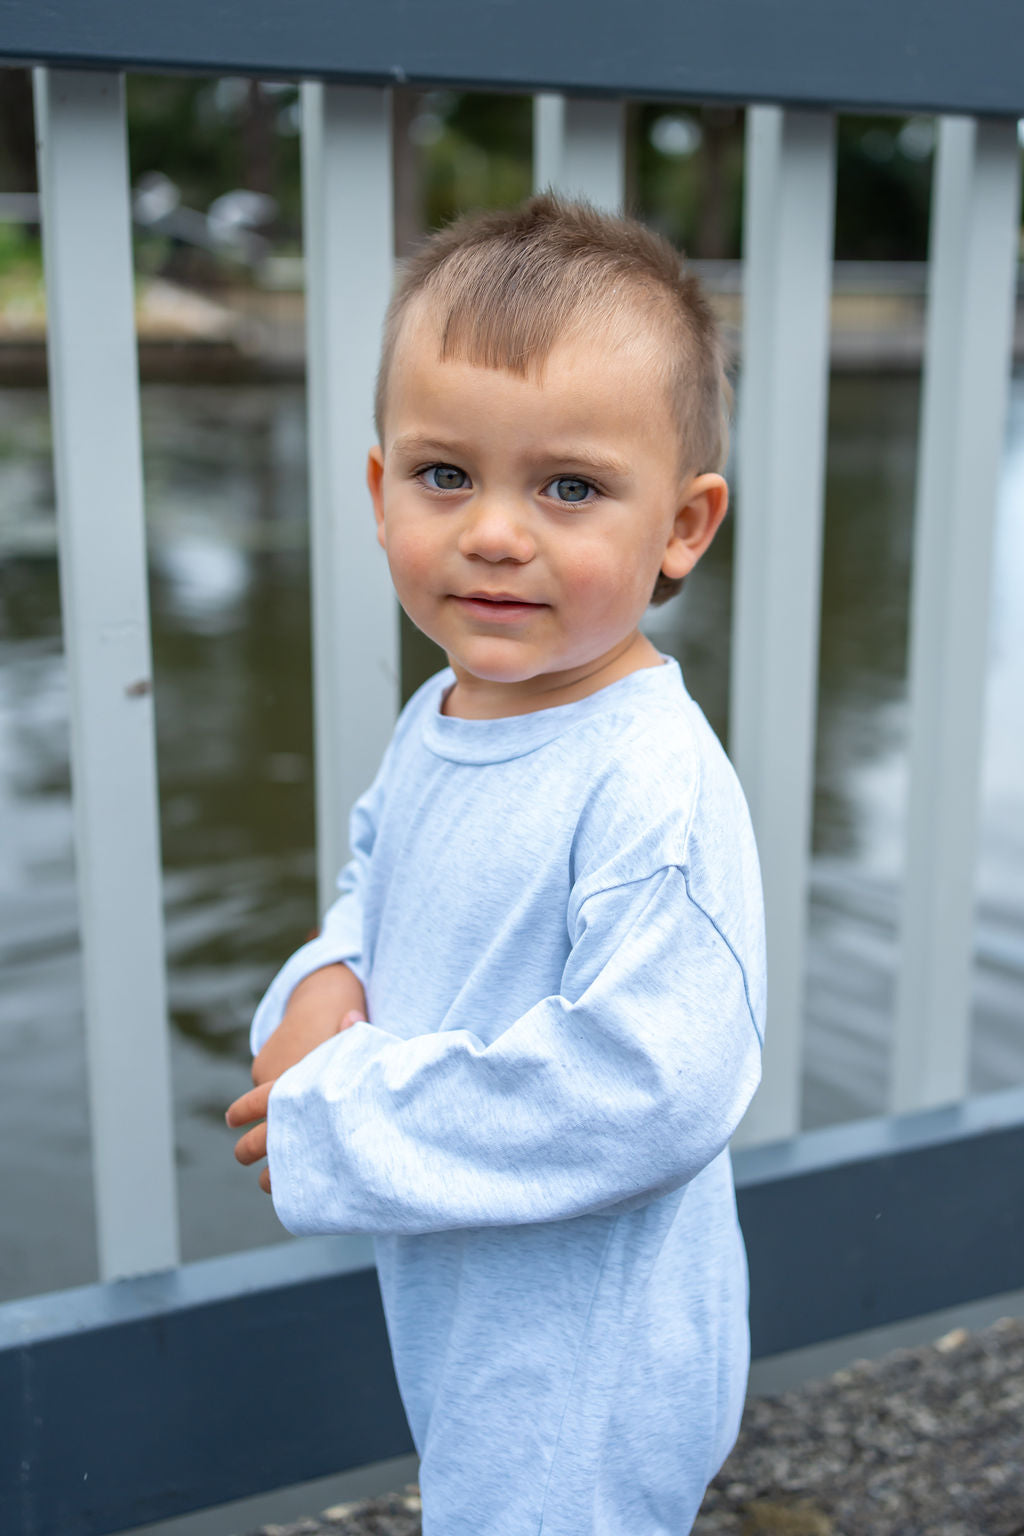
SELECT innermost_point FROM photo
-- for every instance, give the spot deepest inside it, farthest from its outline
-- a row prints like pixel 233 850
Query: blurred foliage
pixel 883 188
pixel 689 181
pixel 686 174
pixel 210 136
pixel 685 171
pixel 22 303
pixel 17 132
pixel 20 251
pixel 473 150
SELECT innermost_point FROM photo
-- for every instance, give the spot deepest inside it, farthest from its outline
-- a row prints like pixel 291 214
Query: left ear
pixel 696 523
pixel 375 483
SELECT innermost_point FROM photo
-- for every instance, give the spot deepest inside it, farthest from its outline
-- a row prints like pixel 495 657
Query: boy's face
pixel 525 520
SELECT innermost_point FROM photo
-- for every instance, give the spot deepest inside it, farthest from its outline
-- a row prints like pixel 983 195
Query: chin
pixel 490 666
pixel 497 675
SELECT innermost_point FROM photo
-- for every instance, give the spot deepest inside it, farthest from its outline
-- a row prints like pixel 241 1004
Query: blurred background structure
pixel 215 167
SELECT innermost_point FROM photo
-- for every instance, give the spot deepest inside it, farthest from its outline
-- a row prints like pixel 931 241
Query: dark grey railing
pixel 874 56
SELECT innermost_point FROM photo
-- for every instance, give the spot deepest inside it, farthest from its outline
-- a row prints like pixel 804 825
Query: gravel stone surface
pixel 924 1442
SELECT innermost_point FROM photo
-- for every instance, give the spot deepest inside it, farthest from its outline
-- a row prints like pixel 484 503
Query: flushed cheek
pixel 601 587
pixel 413 560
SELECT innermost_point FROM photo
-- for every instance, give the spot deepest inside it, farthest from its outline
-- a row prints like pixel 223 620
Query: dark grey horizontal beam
pixel 878 55
pixel 122 1404
pixel 137 1401
pixel 866 1224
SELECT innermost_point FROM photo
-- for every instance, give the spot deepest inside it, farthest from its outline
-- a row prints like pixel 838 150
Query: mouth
pixel 496 606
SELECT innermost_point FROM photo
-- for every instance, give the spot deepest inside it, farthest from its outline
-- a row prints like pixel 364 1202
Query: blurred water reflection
pixel 226 491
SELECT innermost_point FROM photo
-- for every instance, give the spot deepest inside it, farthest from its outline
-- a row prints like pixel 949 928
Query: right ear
pixel 375 481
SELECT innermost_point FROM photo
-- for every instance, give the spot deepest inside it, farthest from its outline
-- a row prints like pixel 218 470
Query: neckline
pixel 510 736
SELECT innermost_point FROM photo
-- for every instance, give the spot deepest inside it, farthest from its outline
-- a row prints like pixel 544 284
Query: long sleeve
pixel 341 932
pixel 625 1084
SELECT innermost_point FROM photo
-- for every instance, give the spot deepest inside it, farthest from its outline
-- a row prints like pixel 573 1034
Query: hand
pixel 252 1106
pixel 252 1147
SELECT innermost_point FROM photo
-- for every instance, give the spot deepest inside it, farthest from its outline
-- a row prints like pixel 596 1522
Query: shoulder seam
pixel 742 968
pixel 659 869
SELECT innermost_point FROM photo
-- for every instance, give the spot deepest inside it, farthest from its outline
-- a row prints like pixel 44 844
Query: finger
pixel 251 1147
pixel 265 1181
pixel 251 1106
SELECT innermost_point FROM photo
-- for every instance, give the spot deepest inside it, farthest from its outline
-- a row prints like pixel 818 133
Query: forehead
pixel 601 391
pixel 624 336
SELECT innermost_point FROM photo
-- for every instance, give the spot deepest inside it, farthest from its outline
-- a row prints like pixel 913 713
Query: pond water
pixel 226 495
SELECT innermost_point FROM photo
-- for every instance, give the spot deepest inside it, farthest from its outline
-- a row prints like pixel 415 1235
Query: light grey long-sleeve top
pixel 557 919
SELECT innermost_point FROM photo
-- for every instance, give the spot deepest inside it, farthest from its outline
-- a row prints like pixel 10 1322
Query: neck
pixel 476 698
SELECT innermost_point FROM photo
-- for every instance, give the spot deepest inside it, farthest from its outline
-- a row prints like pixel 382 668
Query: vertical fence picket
pixel 788 237
pixel 548 137
pixel 975 232
pixel 580 148
pixel 83 178
pixel 347 202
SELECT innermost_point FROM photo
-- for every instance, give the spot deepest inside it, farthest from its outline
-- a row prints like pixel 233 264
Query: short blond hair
pixel 505 287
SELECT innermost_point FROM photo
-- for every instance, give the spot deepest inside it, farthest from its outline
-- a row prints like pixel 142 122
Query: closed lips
pixel 497 597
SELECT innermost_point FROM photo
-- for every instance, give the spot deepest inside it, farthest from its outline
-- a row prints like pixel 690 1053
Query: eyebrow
pixel 584 458
pixel 567 455
pixel 412 444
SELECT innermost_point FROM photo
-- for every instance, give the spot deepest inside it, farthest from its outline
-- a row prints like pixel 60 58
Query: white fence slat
pixel 788 240
pixel 83 174
pixel 975 232
pixel 548 140
pixel 347 201
pixel 580 148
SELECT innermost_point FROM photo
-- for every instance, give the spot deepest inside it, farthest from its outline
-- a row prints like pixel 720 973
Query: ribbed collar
pixel 497 741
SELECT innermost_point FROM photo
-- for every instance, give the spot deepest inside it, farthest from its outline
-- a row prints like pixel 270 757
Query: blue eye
pixel 445 477
pixel 569 489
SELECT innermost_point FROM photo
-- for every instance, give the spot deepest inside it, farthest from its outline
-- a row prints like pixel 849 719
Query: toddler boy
pixel 553 904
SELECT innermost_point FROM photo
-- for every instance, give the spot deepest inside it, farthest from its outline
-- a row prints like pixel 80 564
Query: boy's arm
pixel 304 1005
pixel 313 1014
pixel 623 1086
pixel 322 1005
pixel 309 998
pixel 340 940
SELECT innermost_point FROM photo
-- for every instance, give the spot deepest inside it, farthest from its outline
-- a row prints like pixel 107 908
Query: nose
pixel 493 530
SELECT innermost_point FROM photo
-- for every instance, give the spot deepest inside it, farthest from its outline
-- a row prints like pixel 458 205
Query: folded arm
pixel 625 1084
pixel 321 1006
